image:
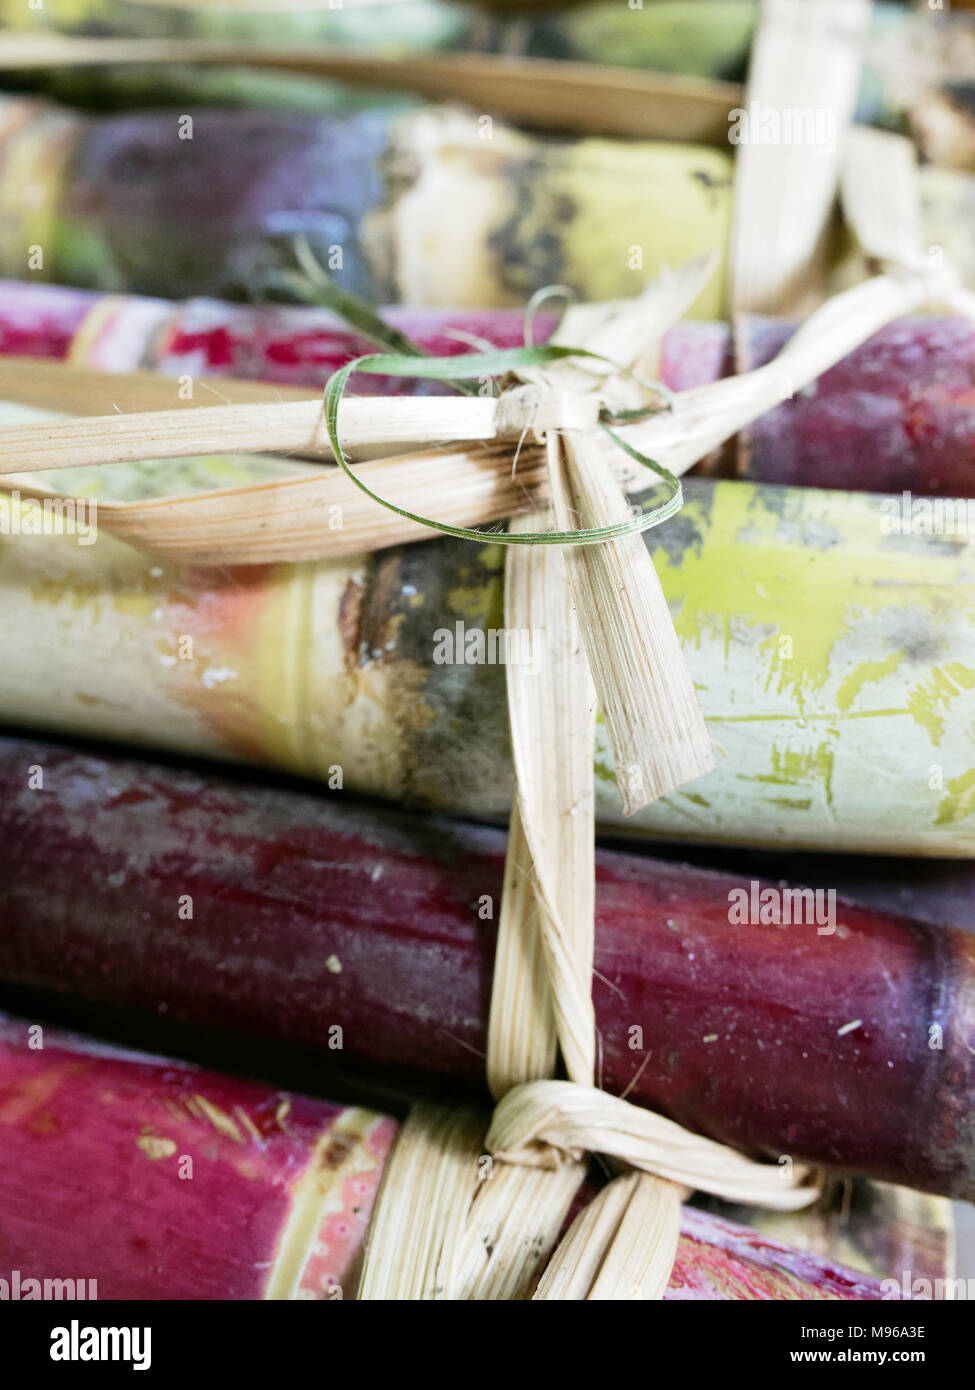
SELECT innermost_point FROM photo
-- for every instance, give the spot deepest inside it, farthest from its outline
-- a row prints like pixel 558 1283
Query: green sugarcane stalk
pixel 429 206
pixel 834 659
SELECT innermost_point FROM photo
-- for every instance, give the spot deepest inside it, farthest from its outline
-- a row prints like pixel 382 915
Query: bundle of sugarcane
pixel 267 1194
pixel 366 671
pixel 945 813
pixel 163 204
pixel 382 672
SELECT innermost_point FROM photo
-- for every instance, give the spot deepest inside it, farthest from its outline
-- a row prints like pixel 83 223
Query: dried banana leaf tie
pixel 492 1232
pixel 531 411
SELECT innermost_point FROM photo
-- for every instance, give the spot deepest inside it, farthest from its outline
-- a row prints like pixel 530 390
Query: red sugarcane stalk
pixel 897 413
pixel 286 345
pixel 139 1177
pixel 939 891
pixel 845 1041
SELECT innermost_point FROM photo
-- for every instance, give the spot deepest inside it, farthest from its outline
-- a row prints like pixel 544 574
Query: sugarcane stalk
pixel 140 1177
pixel 939 891
pixel 391 666
pixel 700 1268
pixel 700 38
pixel 895 414
pixel 290 917
pixel 872 1226
pixel 407 26
pixel 164 204
pixel 284 345
pixel 185 1184
pixel 401 25
pixel 42 320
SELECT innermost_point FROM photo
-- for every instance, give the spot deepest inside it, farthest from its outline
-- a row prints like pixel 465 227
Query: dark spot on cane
pixel 336 1151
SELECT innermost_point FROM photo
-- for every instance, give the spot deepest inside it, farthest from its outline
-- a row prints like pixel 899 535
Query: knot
pixel 534 410
pixel 938 277
pixel 549 1123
